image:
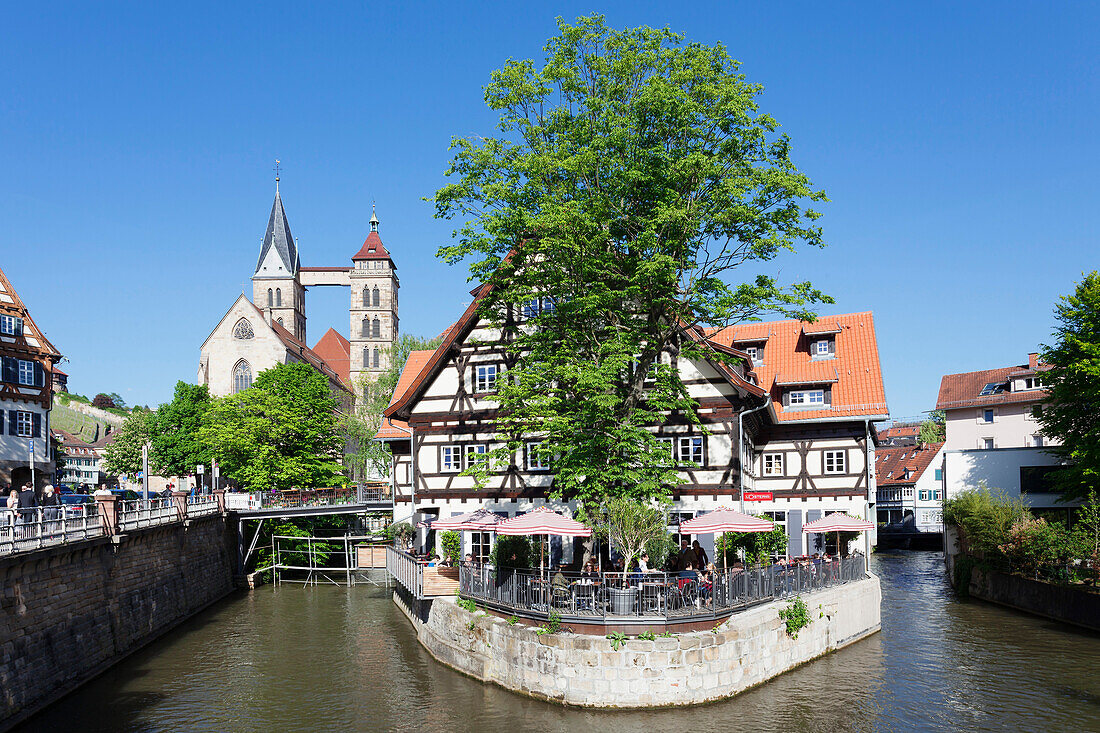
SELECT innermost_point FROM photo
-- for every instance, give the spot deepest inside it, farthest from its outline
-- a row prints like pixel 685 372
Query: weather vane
pixel 276 169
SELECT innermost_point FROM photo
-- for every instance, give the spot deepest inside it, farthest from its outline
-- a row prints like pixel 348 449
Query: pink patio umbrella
pixel 725 520
pixel 543 521
pixel 481 520
pixel 837 522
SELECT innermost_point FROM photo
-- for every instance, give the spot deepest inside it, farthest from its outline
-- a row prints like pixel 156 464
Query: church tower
pixel 276 284
pixel 374 287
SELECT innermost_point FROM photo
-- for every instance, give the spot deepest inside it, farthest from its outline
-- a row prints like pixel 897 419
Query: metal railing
pixel 296 498
pixel 138 513
pixel 651 596
pixel 201 505
pixel 404 568
pixel 32 529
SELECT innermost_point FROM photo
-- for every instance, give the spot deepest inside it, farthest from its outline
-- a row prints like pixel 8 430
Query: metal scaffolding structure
pixel 288 557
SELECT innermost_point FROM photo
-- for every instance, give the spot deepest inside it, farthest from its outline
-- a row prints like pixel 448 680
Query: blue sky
pixel 957 143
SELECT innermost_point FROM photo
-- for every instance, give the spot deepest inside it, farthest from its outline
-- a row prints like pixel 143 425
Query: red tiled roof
pixel 964 390
pixel 413 367
pixel 899 431
pixel 372 249
pixel 303 351
pixel 890 463
pixel 58 370
pixel 336 351
pixel 858 389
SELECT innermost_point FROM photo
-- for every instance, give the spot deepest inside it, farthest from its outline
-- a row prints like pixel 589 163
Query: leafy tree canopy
pixel 176 430
pixel 633 177
pixel 122 456
pixel 934 429
pixel 1073 385
pixel 103 401
pixel 280 434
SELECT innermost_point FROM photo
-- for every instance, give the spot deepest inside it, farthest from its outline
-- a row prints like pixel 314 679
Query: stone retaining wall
pixel 688 668
pixel 69 612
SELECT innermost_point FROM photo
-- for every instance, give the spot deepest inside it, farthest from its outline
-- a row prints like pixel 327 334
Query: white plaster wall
pixel 1012 427
pixel 998 469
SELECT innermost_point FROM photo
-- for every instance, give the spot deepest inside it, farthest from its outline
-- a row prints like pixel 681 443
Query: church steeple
pixel 279 239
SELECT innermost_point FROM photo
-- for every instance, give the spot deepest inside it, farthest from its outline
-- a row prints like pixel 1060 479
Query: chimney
pixel 1033 361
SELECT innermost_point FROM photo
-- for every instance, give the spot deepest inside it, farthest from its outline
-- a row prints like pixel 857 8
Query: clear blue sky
pixel 958 145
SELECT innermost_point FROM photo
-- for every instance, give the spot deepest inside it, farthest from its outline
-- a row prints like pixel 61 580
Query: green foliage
pixel 512 552
pixel 552 625
pixel 630 525
pixel 513 620
pixel 633 175
pixel 665 635
pixel 403 531
pixel 617 639
pixel 1073 387
pixel 103 401
pixel 452 546
pixel 985 517
pixel 58 456
pixel 280 434
pixel 659 548
pixel 297 553
pixel 647 636
pixel 934 429
pixel 123 455
pixel 796 617
pixel 465 603
pixel 176 426
pixel 758 546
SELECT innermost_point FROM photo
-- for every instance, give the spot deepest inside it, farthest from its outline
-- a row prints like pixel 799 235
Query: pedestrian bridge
pixel 309 502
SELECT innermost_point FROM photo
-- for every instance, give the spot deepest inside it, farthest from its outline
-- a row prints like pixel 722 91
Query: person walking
pixel 27 504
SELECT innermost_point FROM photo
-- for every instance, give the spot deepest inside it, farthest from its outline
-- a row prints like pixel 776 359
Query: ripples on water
pixel 335 659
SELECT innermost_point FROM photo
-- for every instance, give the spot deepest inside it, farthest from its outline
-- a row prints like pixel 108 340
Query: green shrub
pixel 758 546
pixel 985 518
pixel 647 636
pixel 796 616
pixel 452 546
pixel 511 552
pixel 616 639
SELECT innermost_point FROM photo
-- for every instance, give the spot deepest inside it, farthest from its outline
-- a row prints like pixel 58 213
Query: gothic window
pixel 374 298
pixel 366 356
pixel 376 329
pixel 278 297
pixel 366 328
pixel 243 330
pixel 269 301
pixel 366 296
pixel 242 376
pixel 376 358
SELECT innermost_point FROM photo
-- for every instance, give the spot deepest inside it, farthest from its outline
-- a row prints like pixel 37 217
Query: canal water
pixel 339 659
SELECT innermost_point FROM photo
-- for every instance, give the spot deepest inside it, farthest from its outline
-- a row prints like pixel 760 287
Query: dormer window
pixel 823 348
pixel 755 353
pixel 1032 382
pixel 806 397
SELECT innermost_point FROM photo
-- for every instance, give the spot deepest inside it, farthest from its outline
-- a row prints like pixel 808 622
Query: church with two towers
pixel 271 328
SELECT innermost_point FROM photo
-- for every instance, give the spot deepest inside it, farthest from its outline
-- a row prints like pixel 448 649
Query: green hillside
pixel 83 426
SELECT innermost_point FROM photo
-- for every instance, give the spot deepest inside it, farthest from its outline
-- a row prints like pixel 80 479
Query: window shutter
pixel 39 375
pixel 36 425
pixel 828 395
pixel 786 398
pixel 1 422
pixel 9 367
pixel 18 326
pixel 13 422
pixel 832 346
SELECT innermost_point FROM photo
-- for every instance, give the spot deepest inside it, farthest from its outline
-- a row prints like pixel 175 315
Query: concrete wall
pixel 1062 603
pixel 1013 426
pixel 69 612
pixel 685 669
pixel 998 469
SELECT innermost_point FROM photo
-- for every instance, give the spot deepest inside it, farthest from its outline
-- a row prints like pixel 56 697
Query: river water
pixel 339 659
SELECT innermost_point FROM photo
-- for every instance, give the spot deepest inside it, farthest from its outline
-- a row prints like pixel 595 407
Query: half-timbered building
pixel 26 392
pixel 785 414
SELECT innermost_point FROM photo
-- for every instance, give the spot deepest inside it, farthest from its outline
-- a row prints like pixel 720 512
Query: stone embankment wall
pixel 71 611
pixel 688 668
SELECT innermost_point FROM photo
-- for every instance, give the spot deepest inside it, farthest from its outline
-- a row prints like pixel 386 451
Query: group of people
pixel 22 507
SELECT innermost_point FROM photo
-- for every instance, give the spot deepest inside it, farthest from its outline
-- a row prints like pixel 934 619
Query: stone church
pixel 271 328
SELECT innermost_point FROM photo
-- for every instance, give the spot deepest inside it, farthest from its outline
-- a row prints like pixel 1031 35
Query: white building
pixel 993 435
pixel 910 488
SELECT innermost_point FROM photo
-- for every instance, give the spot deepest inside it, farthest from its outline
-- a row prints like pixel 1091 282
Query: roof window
pixel 992 388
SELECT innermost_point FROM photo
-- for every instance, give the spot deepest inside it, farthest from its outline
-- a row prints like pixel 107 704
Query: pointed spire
pixel 278 236
pixel 373 219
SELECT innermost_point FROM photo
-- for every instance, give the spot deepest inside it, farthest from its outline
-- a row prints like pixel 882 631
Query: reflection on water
pixel 333 659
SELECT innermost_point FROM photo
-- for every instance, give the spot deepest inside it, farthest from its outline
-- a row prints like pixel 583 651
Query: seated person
pixel 559 580
pixel 643 563
pixel 589 574
pixel 686 575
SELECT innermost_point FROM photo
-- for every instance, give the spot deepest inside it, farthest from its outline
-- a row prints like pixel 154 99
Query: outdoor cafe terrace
pixel 634 600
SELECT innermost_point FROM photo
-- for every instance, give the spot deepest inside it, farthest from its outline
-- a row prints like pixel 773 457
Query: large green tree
pixel 176 430
pixel 280 434
pixel 633 178
pixel 1073 385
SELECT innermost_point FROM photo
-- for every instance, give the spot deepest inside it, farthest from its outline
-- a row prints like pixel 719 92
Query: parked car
pixel 76 505
pixel 126 494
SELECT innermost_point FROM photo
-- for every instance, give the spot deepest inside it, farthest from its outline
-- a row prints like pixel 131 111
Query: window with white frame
pixel 925 495
pixel 26 372
pixel 1033 382
pixel 836 461
pixel 987 443
pixel 10 325
pixel 476 453
pixel 1037 441
pixel 450 458
pixel 480 545
pixel 485 378
pixel 907 493
pixel 691 449
pixel 987 414
pixel 821 348
pixel 24 424
pixel 935 494
pixel 773 464
pixel 807 397
pixel 754 353
pixel 535 460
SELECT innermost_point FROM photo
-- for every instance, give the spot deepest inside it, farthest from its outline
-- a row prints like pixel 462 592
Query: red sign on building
pixel 758 496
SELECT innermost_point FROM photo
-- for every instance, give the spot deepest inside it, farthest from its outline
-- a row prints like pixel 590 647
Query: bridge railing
pixel 138 513
pixel 404 568
pixel 296 498
pixel 201 505
pixel 32 529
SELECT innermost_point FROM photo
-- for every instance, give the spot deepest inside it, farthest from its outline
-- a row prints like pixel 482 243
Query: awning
pixel 725 520
pixel 482 520
pixel 543 520
pixel 837 522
